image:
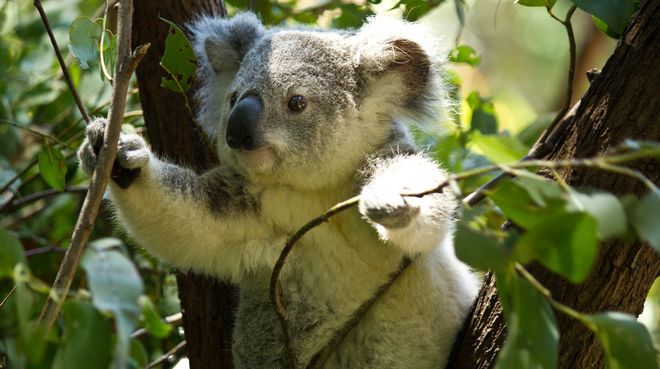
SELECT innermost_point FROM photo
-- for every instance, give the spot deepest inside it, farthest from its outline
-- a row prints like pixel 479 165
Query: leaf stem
pixel 58 54
pixel 33 131
pixel 547 294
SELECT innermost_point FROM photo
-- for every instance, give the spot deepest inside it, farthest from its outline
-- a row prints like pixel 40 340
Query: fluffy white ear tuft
pixel 222 43
pixel 403 61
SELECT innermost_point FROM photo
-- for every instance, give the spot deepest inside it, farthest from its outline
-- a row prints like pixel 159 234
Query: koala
pixel 303 119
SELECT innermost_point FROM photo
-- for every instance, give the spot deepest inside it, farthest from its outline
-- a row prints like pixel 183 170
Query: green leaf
pixel 499 148
pixel 483 114
pixel 606 209
pixel 11 253
pixel 645 219
pixel 52 167
pixel 139 355
pixel 415 9
pixel 529 200
pixel 532 335
pixel 544 3
pixel 109 53
pixel 152 320
pixel 178 60
pixel 627 343
pixel 116 287
pixel 352 16
pixel 479 250
pixel 604 28
pixel 84 36
pixel 564 243
pixel 614 13
pixel 86 343
pixel 464 54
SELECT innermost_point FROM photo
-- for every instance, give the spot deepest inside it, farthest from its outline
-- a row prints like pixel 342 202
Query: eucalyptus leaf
pixel 11 253
pixel 84 35
pixel 478 250
pixel 86 343
pixel 483 118
pixel 606 209
pixel 627 343
pixel 537 3
pixel 528 201
pixel 614 13
pixel 116 287
pixel 153 323
pixel 178 60
pixel 52 167
pixel 564 243
pixel 645 219
pixel 499 148
pixel 464 54
pixel 532 335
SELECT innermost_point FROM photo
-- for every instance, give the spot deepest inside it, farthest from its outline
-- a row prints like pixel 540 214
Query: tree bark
pixel 207 304
pixel 622 102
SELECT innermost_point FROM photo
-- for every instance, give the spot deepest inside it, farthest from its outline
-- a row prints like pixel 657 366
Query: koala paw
pixel 387 208
pixel 132 153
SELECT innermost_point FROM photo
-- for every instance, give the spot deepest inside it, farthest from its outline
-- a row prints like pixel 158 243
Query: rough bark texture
pixel 207 304
pixel 623 102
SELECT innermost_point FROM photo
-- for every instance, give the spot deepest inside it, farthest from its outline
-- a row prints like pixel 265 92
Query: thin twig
pixel 322 356
pixel 65 70
pixel 36 196
pixel 43 250
pixel 163 358
pixel 124 67
pixel 571 71
pixel 33 131
pixel 276 294
pixel 548 139
pixel 7 297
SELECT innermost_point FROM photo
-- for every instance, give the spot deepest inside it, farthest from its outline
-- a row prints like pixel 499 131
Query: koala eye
pixel 232 100
pixel 297 103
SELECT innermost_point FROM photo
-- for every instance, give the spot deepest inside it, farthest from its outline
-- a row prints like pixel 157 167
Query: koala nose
pixel 243 125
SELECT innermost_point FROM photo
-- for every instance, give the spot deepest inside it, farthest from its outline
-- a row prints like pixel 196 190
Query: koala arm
pixel 206 223
pixel 413 224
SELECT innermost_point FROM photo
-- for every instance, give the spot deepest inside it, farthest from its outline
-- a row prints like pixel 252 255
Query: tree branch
pixel 65 71
pixel 127 61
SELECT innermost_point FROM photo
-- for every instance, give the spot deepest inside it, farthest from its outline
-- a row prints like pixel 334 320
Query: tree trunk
pixel 623 102
pixel 207 304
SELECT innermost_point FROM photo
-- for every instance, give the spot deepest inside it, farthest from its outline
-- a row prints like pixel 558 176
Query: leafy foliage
pixel 178 60
pixel 114 316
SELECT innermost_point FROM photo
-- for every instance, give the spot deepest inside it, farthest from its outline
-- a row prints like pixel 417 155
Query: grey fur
pixel 360 87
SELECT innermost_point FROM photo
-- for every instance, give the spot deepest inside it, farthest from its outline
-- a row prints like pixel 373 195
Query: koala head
pixel 304 107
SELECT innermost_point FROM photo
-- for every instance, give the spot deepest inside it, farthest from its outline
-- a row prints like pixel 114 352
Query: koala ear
pixel 399 62
pixel 222 43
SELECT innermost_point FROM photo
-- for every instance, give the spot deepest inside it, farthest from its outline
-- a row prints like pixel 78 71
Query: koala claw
pixel 390 211
pixel 132 153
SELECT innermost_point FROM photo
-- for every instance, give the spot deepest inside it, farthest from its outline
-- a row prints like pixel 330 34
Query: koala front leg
pixel 413 224
pixel 202 222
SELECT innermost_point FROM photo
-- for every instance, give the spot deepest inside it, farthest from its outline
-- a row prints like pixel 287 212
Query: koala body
pixel 304 119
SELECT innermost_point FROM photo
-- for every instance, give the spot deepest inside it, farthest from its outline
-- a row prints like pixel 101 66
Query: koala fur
pixel 291 165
